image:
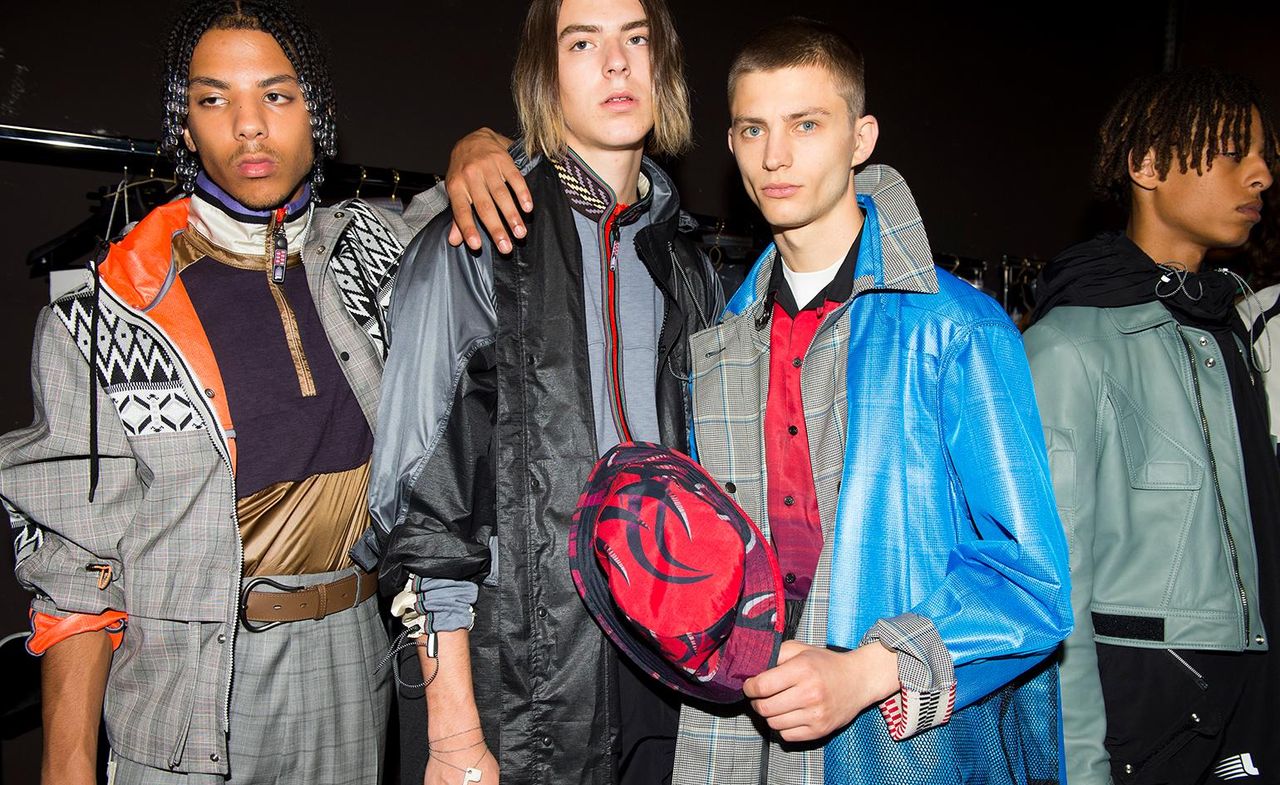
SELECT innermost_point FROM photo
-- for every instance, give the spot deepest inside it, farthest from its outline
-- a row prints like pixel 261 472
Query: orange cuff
pixel 46 630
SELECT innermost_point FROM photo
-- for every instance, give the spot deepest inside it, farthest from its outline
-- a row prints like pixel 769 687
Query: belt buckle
pixel 244 602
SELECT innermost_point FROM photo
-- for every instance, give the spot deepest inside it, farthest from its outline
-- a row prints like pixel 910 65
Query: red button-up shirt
pixel 794 525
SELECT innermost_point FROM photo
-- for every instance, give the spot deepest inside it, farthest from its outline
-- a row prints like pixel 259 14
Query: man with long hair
pixel 1156 418
pixel 221 377
pixel 508 378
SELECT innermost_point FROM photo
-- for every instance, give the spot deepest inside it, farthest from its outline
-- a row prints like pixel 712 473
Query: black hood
pixel 1110 271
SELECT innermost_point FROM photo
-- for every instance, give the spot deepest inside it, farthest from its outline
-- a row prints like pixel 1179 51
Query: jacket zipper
pixel 213 424
pixel 1213 468
pixel 1199 677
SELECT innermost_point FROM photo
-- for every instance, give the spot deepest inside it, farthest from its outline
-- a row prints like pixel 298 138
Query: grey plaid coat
pixel 164 518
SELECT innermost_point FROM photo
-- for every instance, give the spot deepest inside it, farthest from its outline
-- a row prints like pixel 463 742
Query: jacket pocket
pixel 151 694
pixel 1154 458
pixel 1159 712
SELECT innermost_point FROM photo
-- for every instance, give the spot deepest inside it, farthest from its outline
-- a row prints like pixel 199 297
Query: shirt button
pixel 790 500
pixel 345 356
pixel 790 578
pixel 730 487
pixel 791 429
pixel 796 362
pixel 208 392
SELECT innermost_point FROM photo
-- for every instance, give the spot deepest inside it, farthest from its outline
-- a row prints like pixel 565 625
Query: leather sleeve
pixel 1068 409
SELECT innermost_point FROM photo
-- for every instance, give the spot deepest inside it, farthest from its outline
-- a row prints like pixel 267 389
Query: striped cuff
pixel 926 674
pixel 445 605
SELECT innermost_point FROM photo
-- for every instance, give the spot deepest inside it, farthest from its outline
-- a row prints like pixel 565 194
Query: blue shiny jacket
pixel 942 506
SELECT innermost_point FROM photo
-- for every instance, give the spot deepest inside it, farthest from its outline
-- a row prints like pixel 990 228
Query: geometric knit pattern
pixel 365 260
pixel 585 192
pixel 134 368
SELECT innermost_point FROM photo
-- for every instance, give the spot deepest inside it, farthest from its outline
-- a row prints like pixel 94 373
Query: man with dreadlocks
pixel 222 376
pixel 1165 476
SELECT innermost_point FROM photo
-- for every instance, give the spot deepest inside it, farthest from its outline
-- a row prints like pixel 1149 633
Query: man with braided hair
pixel 196 575
pixel 1155 417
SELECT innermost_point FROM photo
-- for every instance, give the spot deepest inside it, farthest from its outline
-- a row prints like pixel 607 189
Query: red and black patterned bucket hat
pixel 676 574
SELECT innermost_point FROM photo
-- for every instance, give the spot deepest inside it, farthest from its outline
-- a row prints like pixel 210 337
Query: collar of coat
pixel 894 256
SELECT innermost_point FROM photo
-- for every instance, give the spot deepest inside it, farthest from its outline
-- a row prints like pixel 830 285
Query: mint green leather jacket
pixel 1150 485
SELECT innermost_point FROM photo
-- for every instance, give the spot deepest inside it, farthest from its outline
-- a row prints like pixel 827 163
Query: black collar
pixel 839 290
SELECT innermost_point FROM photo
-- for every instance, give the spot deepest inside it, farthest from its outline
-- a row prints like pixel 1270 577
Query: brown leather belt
pixel 261 610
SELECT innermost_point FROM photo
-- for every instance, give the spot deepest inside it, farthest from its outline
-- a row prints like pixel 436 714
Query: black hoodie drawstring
pixel 98 257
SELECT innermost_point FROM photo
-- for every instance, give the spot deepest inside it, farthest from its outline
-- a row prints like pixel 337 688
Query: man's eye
pixel 580 46
pixel 808 125
pixel 638 40
pixel 211 100
pixel 1232 154
pixel 752 131
pixel 276 98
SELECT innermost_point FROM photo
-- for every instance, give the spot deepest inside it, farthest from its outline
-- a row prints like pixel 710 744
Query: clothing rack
pixel 149 175
pixel 105 153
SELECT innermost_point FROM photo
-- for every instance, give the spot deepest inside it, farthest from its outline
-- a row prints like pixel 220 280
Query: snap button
pixel 789 579
pixel 339 214
pixel 1210 362
pixel 730 487
pixel 1128 768
pixel 222 638
pixel 1258 639
pixel 791 429
pixel 345 356
pixel 213 756
pixel 796 362
pixel 546 740
pixel 319 249
pixel 542 613
pixel 789 501
pixel 1195 717
pixel 208 392
pixel 533 483
pixel 1204 341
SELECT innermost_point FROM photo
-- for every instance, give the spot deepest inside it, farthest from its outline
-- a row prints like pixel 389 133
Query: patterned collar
pixel 592 197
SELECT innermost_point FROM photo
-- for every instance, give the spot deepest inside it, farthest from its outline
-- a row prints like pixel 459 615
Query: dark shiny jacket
pixel 485 441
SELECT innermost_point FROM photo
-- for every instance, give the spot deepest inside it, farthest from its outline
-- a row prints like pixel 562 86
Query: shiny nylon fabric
pixel 968 538
pixel 546 678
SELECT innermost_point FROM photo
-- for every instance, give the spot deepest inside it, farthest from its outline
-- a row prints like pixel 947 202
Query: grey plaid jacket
pixel 164 518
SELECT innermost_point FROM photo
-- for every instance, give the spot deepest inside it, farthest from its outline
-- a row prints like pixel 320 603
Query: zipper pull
pixel 279 247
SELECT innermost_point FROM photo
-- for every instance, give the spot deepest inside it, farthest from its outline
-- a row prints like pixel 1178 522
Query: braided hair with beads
pixel 301 45
pixel 1186 117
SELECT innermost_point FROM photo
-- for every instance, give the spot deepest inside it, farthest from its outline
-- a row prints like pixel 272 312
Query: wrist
pixel 877 667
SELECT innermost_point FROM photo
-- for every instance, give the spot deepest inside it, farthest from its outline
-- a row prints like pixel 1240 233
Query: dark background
pixel 989 113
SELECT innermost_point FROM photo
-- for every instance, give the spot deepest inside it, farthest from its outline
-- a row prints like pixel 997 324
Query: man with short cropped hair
pixel 875 417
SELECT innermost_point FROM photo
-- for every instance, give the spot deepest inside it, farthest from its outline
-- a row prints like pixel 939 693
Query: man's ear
pixel 186 138
pixel 729 138
pixel 866 130
pixel 1142 172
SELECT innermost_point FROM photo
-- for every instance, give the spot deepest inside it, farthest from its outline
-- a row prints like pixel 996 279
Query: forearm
pixel 73 679
pixel 451 700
